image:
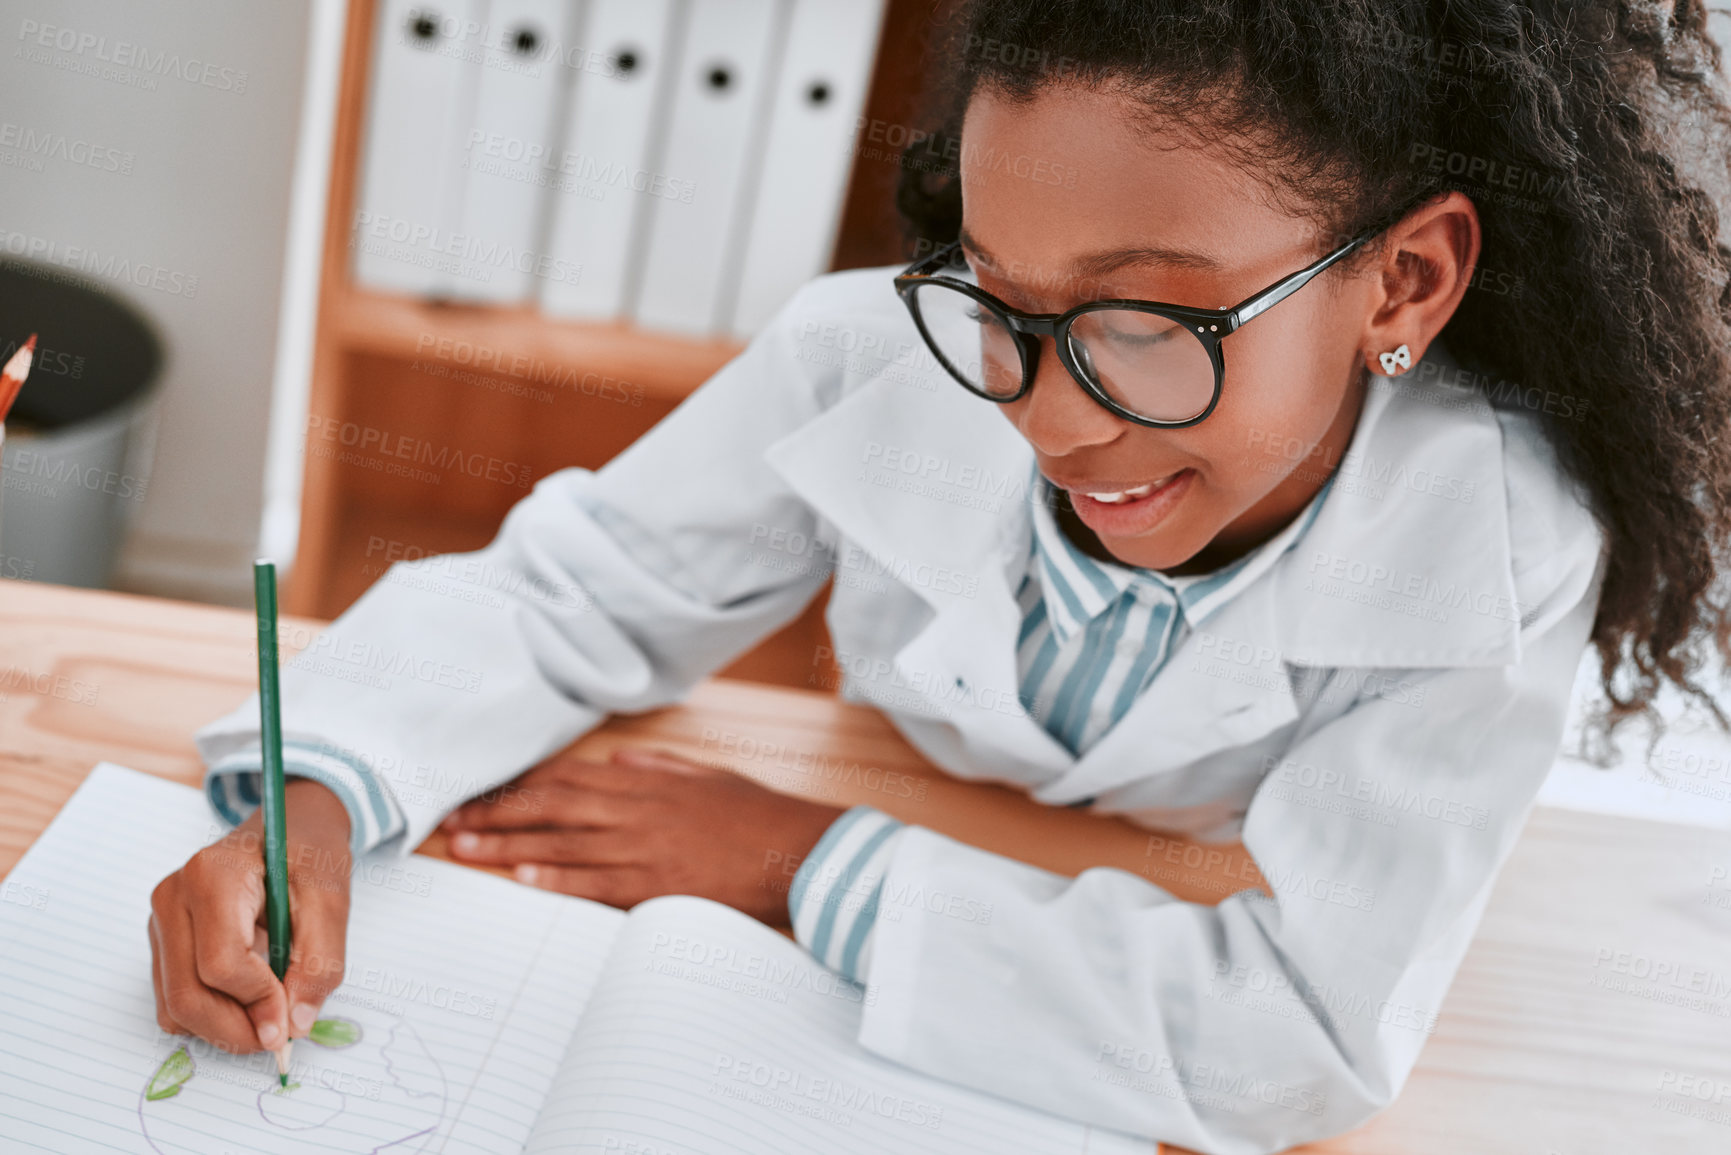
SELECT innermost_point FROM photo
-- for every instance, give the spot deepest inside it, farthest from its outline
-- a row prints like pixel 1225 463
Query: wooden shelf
pixel 523 344
pixel 511 384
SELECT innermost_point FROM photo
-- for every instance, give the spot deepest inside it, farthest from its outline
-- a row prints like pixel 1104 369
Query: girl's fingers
pixel 186 999
pixel 558 804
pixel 162 1018
pixel 616 886
pixel 319 944
pixel 620 773
pixel 585 773
pixel 566 791
pixel 609 848
pixel 526 810
pixel 642 757
pixel 519 801
pixel 224 919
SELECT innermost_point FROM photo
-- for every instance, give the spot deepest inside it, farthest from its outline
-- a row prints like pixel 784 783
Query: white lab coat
pixel 1373 715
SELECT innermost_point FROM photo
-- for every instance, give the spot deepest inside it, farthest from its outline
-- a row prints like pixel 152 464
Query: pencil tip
pixel 31 343
pixel 283 1079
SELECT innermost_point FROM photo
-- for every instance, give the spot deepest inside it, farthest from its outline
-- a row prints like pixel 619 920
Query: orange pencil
pixel 12 377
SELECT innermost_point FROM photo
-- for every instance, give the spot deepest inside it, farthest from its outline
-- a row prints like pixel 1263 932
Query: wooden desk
pixel 1551 1041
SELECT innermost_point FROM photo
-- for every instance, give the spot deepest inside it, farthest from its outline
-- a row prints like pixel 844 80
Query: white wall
pixel 202 99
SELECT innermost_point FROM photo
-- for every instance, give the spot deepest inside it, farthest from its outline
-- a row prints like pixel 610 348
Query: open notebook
pixel 476 1015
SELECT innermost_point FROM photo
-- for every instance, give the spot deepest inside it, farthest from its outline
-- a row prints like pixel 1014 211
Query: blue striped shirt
pixel 1093 635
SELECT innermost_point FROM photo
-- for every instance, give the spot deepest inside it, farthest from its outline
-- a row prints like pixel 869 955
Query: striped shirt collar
pixel 1077 588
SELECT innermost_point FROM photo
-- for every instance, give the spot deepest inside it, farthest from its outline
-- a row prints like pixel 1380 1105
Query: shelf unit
pixel 515 393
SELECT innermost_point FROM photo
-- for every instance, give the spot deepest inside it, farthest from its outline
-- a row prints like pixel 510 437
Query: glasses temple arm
pixel 1259 303
pixel 941 258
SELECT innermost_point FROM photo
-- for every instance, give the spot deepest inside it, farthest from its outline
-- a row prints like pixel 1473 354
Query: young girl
pixel 1322 584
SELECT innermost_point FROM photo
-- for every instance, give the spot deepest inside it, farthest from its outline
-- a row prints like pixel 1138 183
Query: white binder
pixel 506 152
pixel 720 102
pixel 411 187
pixel 602 178
pixel 826 69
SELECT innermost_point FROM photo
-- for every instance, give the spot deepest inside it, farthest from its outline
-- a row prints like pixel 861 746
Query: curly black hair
pixel 1594 138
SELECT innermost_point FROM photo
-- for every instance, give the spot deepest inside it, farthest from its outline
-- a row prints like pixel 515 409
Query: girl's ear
pixel 1430 256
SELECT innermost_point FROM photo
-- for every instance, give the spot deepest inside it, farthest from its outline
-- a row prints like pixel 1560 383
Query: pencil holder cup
pixel 76 465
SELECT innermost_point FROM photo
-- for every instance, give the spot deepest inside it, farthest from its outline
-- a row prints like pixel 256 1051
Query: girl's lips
pixel 1132 515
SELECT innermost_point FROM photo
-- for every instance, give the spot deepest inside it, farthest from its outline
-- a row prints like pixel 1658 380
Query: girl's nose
pixel 1057 416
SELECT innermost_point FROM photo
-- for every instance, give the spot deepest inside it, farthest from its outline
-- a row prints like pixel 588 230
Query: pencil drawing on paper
pixel 170 1077
pixel 364 1082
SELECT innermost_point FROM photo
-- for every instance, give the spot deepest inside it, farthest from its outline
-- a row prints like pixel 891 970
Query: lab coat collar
pixel 1407 563
pixel 932 483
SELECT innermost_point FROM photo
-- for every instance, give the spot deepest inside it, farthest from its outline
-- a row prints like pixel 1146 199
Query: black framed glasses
pixel 1149 362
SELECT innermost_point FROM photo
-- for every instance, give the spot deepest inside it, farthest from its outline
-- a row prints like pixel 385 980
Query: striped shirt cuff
pixel 233 784
pixel 833 902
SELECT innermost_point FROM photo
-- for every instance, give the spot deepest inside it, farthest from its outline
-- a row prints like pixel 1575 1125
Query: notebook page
pixel 460 994
pixel 710 1034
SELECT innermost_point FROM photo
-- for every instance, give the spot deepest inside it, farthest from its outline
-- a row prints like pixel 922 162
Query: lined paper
pixel 492 1018
pixel 466 989
pixel 709 1033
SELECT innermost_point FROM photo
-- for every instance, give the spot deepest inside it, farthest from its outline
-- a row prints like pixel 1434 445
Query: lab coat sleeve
pixel 233 783
pixel 604 591
pixel 1260 1023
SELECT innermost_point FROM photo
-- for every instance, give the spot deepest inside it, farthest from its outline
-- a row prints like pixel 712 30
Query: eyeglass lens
pixel 1151 365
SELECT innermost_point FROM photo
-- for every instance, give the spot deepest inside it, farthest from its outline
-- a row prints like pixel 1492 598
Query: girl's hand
pixel 208 945
pixel 643 824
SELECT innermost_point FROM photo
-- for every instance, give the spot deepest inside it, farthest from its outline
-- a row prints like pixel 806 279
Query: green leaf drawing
pixel 335 1033
pixel 175 1070
pixel 285 1090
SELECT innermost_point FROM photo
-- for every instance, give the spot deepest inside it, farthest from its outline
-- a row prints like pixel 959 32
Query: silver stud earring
pixel 1401 358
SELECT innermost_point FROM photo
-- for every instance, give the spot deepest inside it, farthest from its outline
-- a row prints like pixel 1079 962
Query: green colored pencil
pixel 276 896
